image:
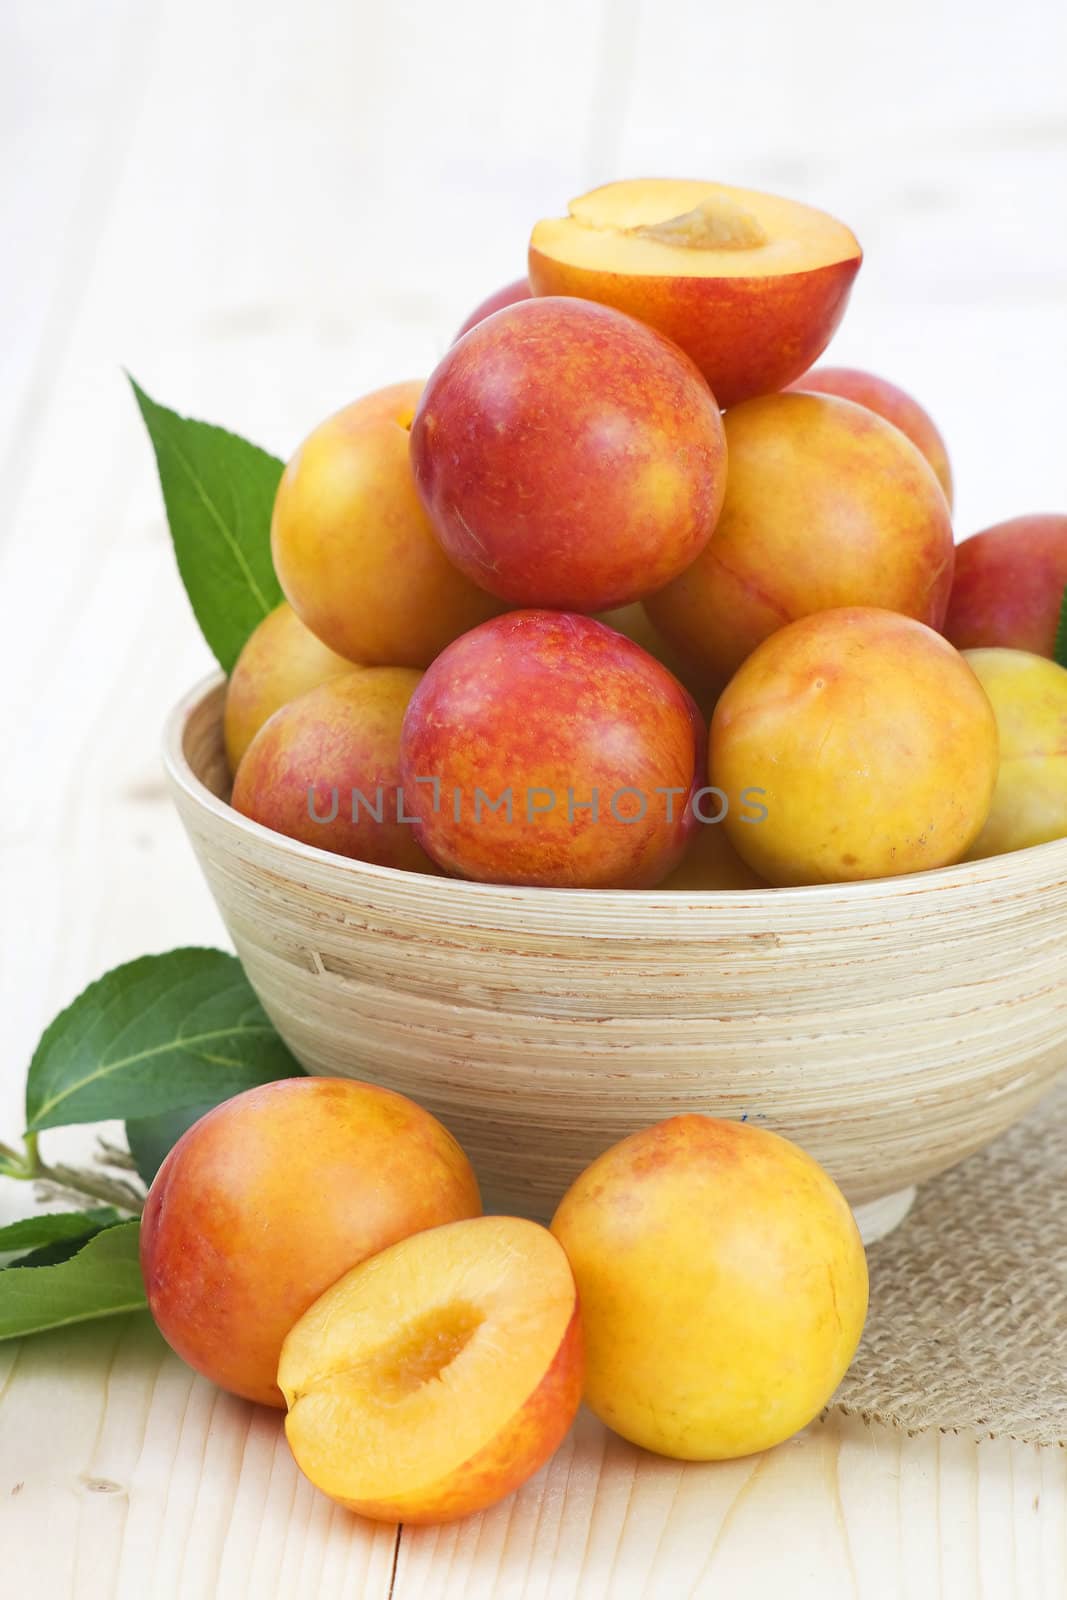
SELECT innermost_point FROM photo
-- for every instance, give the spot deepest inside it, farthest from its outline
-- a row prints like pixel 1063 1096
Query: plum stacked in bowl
pixel 555 624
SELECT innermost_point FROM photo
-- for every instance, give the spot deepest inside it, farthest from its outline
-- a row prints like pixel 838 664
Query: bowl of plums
pixel 632 735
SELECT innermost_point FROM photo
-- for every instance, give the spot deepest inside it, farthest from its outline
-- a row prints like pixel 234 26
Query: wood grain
pixel 147 1481
pixel 891 1028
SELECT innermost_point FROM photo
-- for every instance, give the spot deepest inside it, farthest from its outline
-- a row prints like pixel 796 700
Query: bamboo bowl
pixel 891 1027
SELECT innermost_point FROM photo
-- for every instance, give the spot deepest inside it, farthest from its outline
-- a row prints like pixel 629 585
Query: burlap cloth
pixel 967 1328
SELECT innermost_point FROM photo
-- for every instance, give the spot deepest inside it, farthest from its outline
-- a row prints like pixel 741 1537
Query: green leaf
pixel 159 1034
pixel 219 493
pixel 1059 653
pixel 152 1138
pixel 103 1279
pixel 55 1227
pixel 50 1255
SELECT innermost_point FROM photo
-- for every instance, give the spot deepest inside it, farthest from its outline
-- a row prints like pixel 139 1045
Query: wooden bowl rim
pixel 614 902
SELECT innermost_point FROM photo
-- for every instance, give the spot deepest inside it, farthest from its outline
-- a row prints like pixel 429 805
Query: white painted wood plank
pixel 71 79
pixel 123 1475
pixel 842 1511
pixel 937 132
pixel 147 1480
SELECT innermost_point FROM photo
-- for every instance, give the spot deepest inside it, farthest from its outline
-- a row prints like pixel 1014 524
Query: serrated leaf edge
pixel 35 1122
pixel 117 1310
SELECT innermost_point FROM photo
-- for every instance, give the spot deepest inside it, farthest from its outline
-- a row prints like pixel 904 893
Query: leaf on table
pixel 1059 653
pixel 51 1228
pixel 163 1033
pixel 151 1138
pixel 103 1279
pixel 219 493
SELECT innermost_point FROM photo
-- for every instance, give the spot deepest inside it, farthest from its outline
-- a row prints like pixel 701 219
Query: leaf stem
pixel 12 1164
pixel 113 1155
pixel 30 1168
pixel 93 1186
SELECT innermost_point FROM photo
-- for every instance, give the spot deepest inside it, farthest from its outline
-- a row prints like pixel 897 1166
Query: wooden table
pixel 264 210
